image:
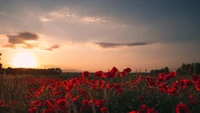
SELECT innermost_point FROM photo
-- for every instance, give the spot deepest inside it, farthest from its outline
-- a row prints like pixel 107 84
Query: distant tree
pixel 58 71
pixel 166 70
pixel 184 68
pixel 197 68
pixel 179 71
pixel 189 69
pixel 162 70
pixel 0 64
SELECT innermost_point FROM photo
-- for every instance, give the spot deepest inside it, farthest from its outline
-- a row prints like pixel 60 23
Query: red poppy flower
pixel 167 77
pixel 119 91
pixel 47 103
pixel 32 110
pixel 104 110
pixel 195 77
pixel 152 110
pixel 143 109
pixel 62 104
pixel 127 70
pixel 116 86
pixel 139 78
pixel 172 91
pixel 122 74
pixel 197 87
pixel 73 80
pixel 133 112
pixel 85 74
pixel 100 103
pixel 186 82
pixel 109 85
pixel 112 73
pixel 161 76
pixel 36 103
pixel 50 110
pixel 148 77
pixel 114 69
pixel 99 74
pixel 85 102
pixel 82 91
pixel 2 103
pixel 182 108
pixel 151 82
pixel 75 98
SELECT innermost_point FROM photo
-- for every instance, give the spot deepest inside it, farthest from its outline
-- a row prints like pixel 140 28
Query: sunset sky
pixel 78 35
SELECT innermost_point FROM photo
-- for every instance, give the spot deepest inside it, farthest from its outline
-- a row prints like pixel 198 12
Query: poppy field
pixel 116 91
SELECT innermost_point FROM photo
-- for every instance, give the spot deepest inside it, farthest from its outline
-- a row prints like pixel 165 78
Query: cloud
pixel 27 40
pixel 21 38
pixel 67 14
pixel 52 47
pixel 63 13
pixel 45 19
pixel 114 45
pixel 92 19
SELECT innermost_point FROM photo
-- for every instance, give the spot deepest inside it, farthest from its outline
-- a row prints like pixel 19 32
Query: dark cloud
pixel 52 47
pixel 114 45
pixel 136 44
pixel 22 37
pixel 26 40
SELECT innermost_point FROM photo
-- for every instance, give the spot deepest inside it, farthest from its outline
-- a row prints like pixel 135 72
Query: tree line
pixel 17 71
pixel 184 69
pixel 0 64
pixel 162 70
pixel 188 69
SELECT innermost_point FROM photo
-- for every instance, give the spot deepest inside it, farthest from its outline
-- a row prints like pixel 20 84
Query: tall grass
pixel 13 90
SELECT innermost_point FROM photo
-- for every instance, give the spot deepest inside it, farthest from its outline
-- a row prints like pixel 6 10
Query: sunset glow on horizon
pixel 25 60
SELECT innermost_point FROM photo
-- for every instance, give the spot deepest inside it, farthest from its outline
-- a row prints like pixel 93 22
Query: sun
pixel 25 60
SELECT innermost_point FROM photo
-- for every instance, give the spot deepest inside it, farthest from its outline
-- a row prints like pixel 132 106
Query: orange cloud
pixel 27 40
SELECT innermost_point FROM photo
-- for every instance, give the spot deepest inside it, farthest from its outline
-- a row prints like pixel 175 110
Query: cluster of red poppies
pixel 86 94
pixel 2 103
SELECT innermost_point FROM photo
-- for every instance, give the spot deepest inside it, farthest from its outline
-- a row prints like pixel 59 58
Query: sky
pixel 79 35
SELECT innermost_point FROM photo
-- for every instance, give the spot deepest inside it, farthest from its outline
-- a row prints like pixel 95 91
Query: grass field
pixel 111 92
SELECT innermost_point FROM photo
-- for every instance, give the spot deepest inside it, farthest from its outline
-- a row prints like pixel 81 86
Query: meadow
pixel 116 91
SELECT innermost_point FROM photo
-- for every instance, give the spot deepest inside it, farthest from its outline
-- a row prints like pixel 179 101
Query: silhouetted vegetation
pixel 189 69
pixel 32 71
pixel 0 64
pixel 157 71
pixel 0 55
pixel 184 69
